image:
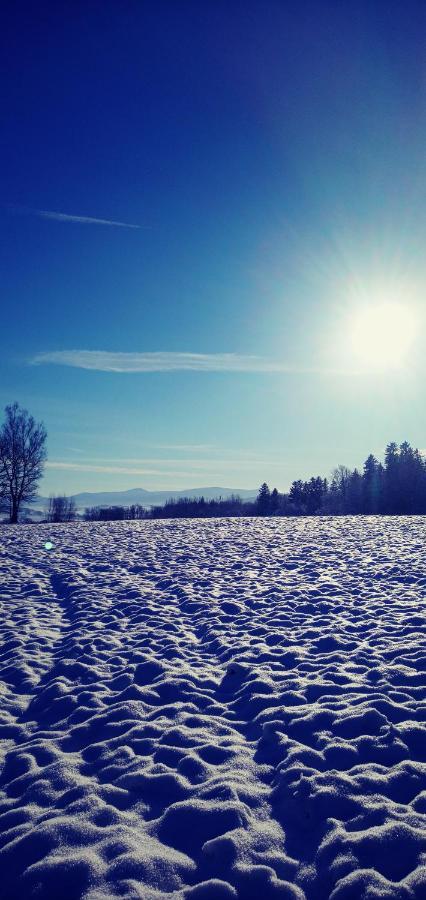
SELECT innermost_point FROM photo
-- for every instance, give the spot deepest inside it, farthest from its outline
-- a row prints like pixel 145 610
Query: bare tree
pixel 61 509
pixel 22 454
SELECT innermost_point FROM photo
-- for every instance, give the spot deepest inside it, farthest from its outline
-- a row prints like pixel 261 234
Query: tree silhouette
pixel 22 454
pixel 354 496
pixel 61 509
pixel 391 478
pixel 372 485
pixel 297 497
pixel 263 501
pixel 274 502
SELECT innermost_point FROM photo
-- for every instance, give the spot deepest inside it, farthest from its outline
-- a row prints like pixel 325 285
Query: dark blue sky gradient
pixel 273 154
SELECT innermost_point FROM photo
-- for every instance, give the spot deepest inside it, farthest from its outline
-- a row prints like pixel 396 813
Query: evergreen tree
pixel 263 502
pixel 371 486
pixel 297 498
pixel 391 491
pixel 314 491
pixel 274 502
pixel 354 498
pixel 410 478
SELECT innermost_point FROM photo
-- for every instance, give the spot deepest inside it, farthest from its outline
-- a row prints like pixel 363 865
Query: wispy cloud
pixel 155 466
pixel 185 448
pixel 188 463
pixel 105 361
pixel 67 217
pixel 94 467
pixel 205 474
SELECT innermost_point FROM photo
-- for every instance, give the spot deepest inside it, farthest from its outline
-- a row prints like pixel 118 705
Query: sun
pixel 382 336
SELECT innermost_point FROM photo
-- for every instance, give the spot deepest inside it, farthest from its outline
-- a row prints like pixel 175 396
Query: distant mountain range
pixel 146 498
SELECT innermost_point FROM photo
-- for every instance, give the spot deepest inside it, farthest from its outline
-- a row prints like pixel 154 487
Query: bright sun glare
pixel 382 336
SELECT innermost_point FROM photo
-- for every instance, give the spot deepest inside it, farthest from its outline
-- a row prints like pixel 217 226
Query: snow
pixel 213 709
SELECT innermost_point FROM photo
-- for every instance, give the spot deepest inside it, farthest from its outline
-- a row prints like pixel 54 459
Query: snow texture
pixel 207 710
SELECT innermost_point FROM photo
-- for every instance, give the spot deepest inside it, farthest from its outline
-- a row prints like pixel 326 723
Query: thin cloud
pixel 195 448
pixel 105 361
pixel 141 465
pixel 134 470
pixel 67 217
pixel 159 464
pixel 94 467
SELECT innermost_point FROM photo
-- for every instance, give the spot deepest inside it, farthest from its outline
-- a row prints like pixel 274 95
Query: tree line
pixel 395 487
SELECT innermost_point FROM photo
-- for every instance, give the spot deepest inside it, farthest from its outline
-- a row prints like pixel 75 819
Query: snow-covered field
pixel 213 709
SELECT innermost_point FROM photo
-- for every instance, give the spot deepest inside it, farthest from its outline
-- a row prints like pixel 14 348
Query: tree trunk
pixel 14 513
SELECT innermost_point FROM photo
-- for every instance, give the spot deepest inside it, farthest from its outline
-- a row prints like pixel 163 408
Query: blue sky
pixel 272 156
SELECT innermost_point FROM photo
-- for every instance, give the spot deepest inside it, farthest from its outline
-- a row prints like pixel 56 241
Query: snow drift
pixel 213 709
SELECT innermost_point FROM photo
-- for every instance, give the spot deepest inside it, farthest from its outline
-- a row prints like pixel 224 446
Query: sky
pixel 197 201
